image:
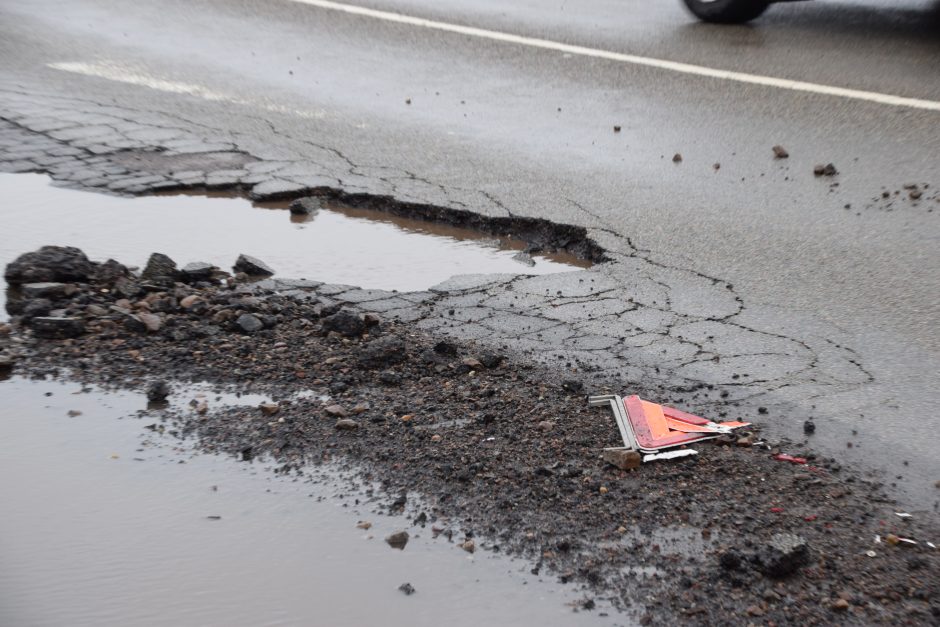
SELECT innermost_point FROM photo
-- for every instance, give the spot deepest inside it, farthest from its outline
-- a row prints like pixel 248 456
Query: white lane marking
pixel 131 76
pixel 674 66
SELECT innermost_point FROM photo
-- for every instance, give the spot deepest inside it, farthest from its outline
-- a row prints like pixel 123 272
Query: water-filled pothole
pixel 110 523
pixel 338 244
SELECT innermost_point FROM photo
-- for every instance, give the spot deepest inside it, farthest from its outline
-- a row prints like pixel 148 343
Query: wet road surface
pixel 497 127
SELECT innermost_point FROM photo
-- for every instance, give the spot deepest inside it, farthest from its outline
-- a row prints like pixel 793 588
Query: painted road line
pixel 662 64
pixel 125 74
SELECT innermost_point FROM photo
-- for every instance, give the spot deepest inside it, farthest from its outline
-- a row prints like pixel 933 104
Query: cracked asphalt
pixel 755 282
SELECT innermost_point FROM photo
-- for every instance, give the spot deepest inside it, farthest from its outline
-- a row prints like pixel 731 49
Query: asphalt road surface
pixel 520 109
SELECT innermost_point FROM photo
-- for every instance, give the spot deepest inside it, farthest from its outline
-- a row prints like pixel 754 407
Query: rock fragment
pixel 825 170
pixel 623 459
pixel 345 322
pixel 50 264
pixel 57 327
pixel 384 351
pixel 157 391
pixel 197 271
pixel 407 589
pixel 783 554
pixel 398 540
pixel 346 424
pixel 305 206
pixel 160 272
pixel 780 152
pixel 49 290
pixel 249 323
pixel 252 266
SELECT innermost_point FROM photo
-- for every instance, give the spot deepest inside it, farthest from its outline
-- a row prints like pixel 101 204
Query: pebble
pixel 249 323
pixel 677 158
pixel 623 459
pixel 469 546
pixel 407 589
pixel 398 540
pixel 364 524
pixel 346 424
pixel 472 362
pixel 780 152
pixel 5 329
pixel 269 409
pixel 755 610
pixel 336 410
pixel 189 301
pixel 809 427
pixel 745 441
pixel 158 391
pixel 840 605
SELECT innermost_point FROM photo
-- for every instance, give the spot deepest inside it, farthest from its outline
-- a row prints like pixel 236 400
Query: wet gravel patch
pixel 501 455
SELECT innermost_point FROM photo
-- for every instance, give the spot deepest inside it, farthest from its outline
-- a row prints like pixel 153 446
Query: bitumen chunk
pixel 252 266
pixel 56 327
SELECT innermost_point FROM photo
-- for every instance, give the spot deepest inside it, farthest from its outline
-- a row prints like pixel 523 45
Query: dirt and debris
pixel 501 453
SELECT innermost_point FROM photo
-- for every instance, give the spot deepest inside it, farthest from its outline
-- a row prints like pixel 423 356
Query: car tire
pixel 727 11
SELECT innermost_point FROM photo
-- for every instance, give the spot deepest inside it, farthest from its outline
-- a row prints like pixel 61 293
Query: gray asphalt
pixel 533 130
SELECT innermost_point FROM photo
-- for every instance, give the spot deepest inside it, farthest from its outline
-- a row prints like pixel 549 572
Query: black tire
pixel 727 11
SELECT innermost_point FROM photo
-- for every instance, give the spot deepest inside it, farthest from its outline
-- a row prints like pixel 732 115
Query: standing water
pixel 338 244
pixel 106 523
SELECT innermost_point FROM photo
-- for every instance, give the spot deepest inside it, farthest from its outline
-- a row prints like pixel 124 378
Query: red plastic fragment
pixel 783 457
pixel 810 518
pixel 776 510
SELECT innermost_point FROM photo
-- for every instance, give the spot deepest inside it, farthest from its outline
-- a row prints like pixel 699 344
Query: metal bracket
pixel 620 416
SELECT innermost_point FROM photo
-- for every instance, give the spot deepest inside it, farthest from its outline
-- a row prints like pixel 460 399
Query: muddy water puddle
pixel 107 523
pixel 337 244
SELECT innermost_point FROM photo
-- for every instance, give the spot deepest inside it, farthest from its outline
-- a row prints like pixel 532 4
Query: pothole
pixel 359 245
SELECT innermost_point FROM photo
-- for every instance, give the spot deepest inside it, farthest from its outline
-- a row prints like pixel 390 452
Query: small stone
pixel 189 301
pixel 825 170
pixel 95 311
pixel 572 386
pixel 345 322
pixel 840 605
pixel 546 425
pixel 491 360
pixel 780 152
pixel 157 391
pixel 160 271
pixel 603 490
pixel 783 554
pixel 755 610
pixel 398 540
pixel 469 546
pixel 364 524
pixel 372 319
pixel 809 427
pixel 152 322
pixel 336 410
pixel 407 589
pixel 677 158
pixel 252 266
pixel 616 129
pixel 6 362
pixel 56 327
pixel 745 441
pixel 73 413
pixel 915 194
pixel 269 409
pixel 5 329
pixel 473 363
pixel 52 291
pixel 249 323
pixel 436 438
pixel 384 351
pixel 524 258
pixel 346 424
pixel 305 206
pixel 623 459
pixel 197 271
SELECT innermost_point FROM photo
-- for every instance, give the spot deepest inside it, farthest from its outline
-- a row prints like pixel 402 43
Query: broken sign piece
pixel 674 454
